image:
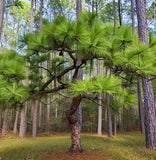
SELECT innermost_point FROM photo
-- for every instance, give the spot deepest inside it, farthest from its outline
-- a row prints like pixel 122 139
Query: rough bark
pixel 34 127
pixel 75 136
pixel 0 120
pixel 1 15
pixel 23 121
pixel 150 121
pixel 5 122
pixel 16 121
pixel 141 114
pixel 80 71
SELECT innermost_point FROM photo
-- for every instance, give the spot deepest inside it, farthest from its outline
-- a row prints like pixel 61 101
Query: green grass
pixel 121 147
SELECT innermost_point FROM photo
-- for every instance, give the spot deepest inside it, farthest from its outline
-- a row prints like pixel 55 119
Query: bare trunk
pixel 114 131
pixel 41 7
pixel 119 10
pixel 1 15
pixel 75 136
pixel 31 16
pixel 150 121
pixel 79 117
pixel 78 8
pixel 5 122
pixel 99 106
pixel 132 11
pixel 23 122
pixel 142 125
pixel 114 14
pixel 34 128
pixel 48 115
pixel 109 118
pixel 16 121
pixel 40 116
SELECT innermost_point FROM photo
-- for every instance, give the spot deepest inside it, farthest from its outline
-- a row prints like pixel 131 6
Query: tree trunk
pixel 142 125
pixel 48 115
pixel 80 71
pixel 75 135
pixel 150 121
pixel 16 121
pixel 2 2
pixel 119 10
pixel 23 122
pixel 5 122
pixel 114 131
pixel 132 11
pixel 99 106
pixel 34 129
pixel 40 116
pixel 41 8
pixel 31 16
pixel 114 15
pixel 109 118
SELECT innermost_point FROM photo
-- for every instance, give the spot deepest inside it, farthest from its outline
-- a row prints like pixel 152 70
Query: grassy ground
pixel 127 146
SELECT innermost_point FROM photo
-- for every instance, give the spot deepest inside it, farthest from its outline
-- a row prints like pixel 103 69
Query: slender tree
pixel 5 122
pixel 150 121
pixel 1 15
pixel 16 121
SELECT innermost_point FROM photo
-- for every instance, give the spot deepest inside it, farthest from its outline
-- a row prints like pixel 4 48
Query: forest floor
pixel 126 146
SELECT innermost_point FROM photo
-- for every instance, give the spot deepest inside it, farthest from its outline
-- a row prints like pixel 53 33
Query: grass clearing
pixel 127 146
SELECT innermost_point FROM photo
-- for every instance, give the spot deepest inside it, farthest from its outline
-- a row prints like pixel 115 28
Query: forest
pixel 77 79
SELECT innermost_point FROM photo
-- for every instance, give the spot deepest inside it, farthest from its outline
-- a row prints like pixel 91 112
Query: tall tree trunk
pixel 23 121
pixel 2 2
pixel 114 15
pixel 99 106
pixel 142 125
pixel 40 116
pixel 41 8
pixel 31 16
pixel 119 10
pixel 132 14
pixel 150 121
pixel 80 71
pixel 34 127
pixel 114 130
pixel 109 118
pixel 5 122
pixel 16 121
pixel 48 114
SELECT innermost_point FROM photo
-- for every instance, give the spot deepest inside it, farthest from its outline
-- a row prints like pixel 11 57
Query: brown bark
pixel 16 121
pixel 78 8
pixel 150 121
pixel 34 127
pixel 0 120
pixel 5 122
pixel 23 122
pixel 109 118
pixel 75 136
pixel 1 15
pixel 48 115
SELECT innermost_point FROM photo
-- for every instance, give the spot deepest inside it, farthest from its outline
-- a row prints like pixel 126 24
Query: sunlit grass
pixel 125 146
